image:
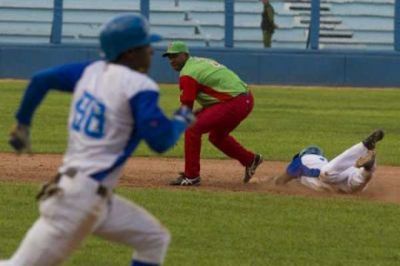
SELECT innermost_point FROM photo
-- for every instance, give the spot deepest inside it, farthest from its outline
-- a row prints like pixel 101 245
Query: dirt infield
pixel 217 175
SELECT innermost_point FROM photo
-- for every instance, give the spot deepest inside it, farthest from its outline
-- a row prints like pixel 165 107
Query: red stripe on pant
pixel 218 120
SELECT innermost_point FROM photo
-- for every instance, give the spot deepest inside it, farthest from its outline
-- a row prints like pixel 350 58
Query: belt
pixel 51 187
pixel 247 93
pixel 230 99
pixel 101 190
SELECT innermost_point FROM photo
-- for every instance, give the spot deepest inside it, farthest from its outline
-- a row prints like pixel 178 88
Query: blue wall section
pixel 23 61
pixel 255 66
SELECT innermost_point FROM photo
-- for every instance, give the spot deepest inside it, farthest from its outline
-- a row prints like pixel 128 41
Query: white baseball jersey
pixel 100 122
pixel 313 161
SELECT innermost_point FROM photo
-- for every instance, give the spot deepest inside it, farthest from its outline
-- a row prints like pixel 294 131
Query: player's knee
pixel 153 247
pixel 164 238
pixel 193 131
pixel 161 242
pixel 217 137
pixel 158 240
pixel 214 138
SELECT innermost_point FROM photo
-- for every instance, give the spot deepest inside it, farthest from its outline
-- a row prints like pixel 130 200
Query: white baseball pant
pixel 67 217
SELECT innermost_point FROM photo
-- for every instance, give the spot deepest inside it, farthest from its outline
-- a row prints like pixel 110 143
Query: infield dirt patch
pixel 217 175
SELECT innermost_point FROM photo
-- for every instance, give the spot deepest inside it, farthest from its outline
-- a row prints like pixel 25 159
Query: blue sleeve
pixel 62 78
pixel 297 169
pixel 152 125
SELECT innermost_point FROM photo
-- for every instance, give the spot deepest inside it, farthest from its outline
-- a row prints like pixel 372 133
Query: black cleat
pixel 251 170
pixel 372 139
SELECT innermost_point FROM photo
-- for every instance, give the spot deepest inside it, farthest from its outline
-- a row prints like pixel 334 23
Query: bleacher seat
pixel 344 23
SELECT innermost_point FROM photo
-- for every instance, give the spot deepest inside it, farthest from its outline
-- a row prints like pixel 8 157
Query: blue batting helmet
pixel 312 149
pixel 124 32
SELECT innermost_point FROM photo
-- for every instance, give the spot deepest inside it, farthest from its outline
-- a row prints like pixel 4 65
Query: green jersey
pixel 209 82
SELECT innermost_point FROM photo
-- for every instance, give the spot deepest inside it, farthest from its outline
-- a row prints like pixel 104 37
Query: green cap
pixel 176 48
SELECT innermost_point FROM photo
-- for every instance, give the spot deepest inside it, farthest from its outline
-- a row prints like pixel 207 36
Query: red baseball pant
pixel 219 120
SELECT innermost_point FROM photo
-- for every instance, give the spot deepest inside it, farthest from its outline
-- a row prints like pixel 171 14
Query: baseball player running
pixel 349 172
pixel 226 101
pixel 114 107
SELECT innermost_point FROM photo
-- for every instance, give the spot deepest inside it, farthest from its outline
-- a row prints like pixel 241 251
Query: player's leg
pixel 360 175
pixel 221 139
pixel 129 224
pixel 206 120
pixel 236 111
pixel 357 179
pixel 66 218
pixel 221 118
pixel 230 147
pixel 333 171
pixel 44 245
pixel 267 39
pixel 36 248
pixel 192 149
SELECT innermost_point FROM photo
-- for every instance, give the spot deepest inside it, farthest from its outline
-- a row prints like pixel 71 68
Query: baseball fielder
pixel 349 172
pixel 225 100
pixel 114 107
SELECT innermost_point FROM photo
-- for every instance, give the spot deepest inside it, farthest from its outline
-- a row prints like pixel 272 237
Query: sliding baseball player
pixel 349 172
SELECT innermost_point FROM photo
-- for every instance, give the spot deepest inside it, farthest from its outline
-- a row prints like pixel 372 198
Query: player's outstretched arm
pixel 283 179
pixel 296 169
pixel 159 132
pixel 63 78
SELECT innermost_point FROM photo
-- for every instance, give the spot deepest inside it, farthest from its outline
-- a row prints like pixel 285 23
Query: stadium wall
pixel 255 66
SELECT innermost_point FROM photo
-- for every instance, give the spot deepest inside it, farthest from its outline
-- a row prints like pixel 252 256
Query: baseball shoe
pixel 183 180
pixel 251 170
pixel 372 139
pixel 367 161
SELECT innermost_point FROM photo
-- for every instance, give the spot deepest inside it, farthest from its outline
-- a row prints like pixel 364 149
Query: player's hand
pixel 20 138
pixel 186 115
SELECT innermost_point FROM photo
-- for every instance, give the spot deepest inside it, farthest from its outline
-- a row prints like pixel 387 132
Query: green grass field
pixel 284 120
pixel 211 228
pixel 220 228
